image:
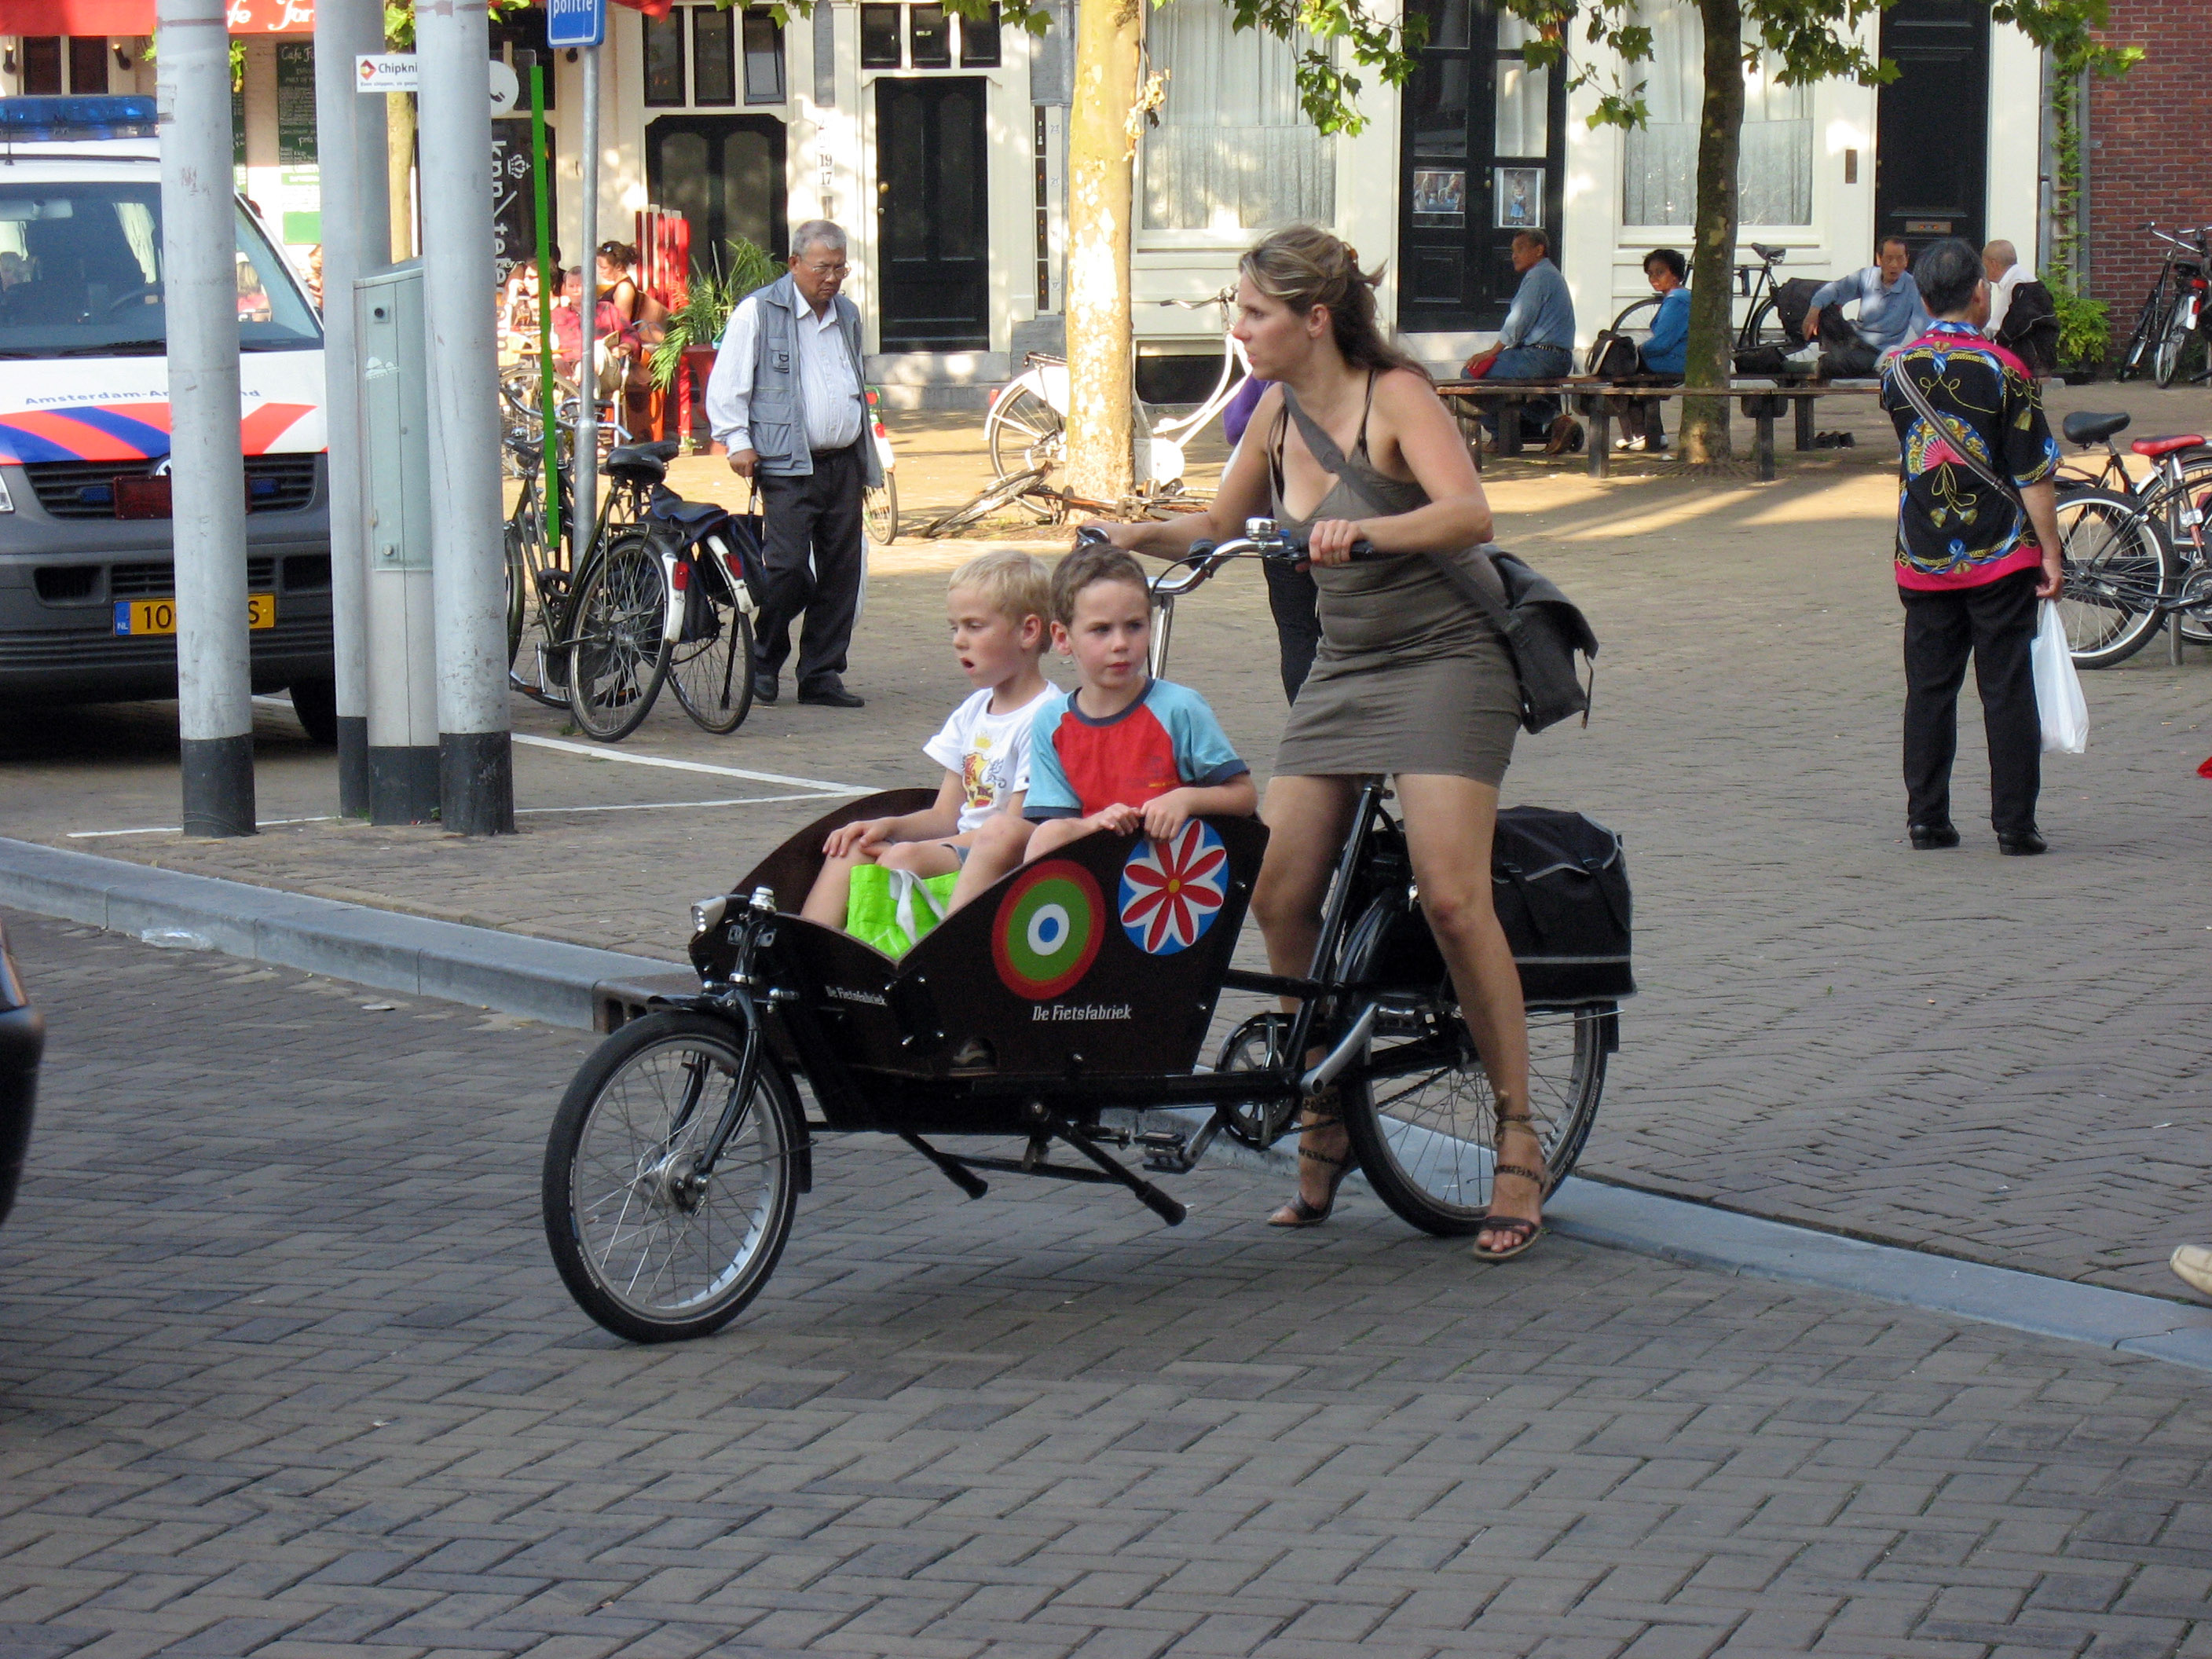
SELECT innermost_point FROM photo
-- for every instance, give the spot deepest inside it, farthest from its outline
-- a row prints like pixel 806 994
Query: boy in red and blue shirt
pixel 1122 750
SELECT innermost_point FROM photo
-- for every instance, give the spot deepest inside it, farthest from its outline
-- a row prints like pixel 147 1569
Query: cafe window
pixel 763 58
pixel 1660 158
pixel 927 37
pixel 718 38
pixel 663 60
pixel 714 58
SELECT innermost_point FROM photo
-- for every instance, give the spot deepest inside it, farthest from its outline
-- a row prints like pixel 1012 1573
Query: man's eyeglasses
pixel 837 269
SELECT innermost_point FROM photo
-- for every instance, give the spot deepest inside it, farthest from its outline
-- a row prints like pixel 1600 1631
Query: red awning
pixel 650 8
pixel 129 17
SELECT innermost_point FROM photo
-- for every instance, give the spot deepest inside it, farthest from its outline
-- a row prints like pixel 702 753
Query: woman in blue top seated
pixel 1665 355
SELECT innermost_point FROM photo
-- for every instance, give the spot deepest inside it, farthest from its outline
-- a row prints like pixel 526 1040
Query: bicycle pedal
pixel 1164 1151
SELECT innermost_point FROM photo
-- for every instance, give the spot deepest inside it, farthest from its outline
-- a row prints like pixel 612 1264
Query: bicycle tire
pixel 615 662
pixel 880 509
pixel 618 1198
pixel 1426 1141
pixel 989 500
pixel 2118 566
pixel 1763 327
pixel 1024 433
pixel 1633 309
pixel 2150 325
pixel 713 676
pixel 2165 361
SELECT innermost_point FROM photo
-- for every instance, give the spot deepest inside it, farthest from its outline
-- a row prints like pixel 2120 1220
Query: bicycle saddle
pixel 2154 448
pixel 2086 428
pixel 1773 256
pixel 641 463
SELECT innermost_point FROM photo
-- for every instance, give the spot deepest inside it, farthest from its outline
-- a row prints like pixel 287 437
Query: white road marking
pixel 597 751
pixel 179 829
pixel 664 805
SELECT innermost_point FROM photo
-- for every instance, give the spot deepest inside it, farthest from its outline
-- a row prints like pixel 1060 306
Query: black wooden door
pixel 933 230
pixel 1480 155
pixel 724 173
pixel 1932 153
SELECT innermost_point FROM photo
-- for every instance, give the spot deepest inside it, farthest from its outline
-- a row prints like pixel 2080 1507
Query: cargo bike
pixel 1063 1014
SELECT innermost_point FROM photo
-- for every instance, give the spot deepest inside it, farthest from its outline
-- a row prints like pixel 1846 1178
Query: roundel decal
pixel 1172 890
pixel 1048 929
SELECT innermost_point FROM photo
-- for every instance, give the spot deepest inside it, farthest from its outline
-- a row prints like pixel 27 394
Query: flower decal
pixel 1173 890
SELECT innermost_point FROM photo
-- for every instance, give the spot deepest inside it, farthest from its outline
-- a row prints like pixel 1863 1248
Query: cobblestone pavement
pixel 288 1374
pixel 1998 1058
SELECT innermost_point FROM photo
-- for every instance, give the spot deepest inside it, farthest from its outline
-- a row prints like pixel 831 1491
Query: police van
pixel 88 584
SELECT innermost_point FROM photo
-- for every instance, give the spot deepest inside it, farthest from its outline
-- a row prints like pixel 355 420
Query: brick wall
pixel 2145 158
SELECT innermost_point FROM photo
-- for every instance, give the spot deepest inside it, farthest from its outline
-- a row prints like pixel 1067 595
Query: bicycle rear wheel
pixel 1024 433
pixel 615 662
pixel 1764 328
pixel 1427 1137
pixel 710 667
pixel 1637 313
pixel 880 510
pixel 2118 564
pixel 2172 348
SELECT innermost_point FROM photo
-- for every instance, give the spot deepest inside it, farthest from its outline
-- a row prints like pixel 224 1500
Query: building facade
pixel 940 144
pixel 2136 163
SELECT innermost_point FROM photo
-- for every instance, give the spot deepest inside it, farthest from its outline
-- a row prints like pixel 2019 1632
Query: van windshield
pixel 81 275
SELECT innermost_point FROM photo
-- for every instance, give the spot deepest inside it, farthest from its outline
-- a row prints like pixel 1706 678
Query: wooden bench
pixel 1764 401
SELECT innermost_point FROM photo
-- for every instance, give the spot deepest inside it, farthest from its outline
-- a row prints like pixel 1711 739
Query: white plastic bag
pixel 2058 688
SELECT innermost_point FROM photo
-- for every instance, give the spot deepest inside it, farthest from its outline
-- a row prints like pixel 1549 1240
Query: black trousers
pixel 1995 623
pixel 1295 601
pixel 1843 355
pixel 811 548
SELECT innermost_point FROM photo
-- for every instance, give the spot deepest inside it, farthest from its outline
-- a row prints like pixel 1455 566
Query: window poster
pixel 1440 196
pixel 1519 198
pixel 299 179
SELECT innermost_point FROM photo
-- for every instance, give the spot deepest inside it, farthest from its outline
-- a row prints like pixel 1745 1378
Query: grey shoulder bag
pixel 1543 629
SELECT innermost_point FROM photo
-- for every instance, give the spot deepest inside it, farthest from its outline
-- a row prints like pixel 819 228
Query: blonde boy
pixel 998 605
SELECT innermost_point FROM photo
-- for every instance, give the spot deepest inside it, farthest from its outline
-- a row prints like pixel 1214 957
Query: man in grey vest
pixel 786 401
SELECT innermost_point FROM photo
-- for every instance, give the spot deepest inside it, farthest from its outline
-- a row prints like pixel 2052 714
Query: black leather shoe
pixel 764 688
pixel 1927 837
pixel 832 696
pixel 2020 844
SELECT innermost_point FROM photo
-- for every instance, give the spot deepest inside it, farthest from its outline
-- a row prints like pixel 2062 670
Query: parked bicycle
pixel 608 637
pixel 2137 554
pixel 2175 313
pixel 1026 429
pixel 1755 288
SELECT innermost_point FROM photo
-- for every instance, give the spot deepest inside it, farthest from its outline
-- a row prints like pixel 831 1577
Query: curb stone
pixel 548 979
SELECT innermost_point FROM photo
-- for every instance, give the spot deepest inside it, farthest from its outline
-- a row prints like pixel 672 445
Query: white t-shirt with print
pixel 990 752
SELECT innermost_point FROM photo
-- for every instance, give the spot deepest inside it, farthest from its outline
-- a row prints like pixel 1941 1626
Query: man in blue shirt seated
pixel 1890 314
pixel 1536 343
pixel 1665 356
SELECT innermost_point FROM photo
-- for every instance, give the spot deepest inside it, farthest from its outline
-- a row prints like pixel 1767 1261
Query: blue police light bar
pixel 576 22
pixel 131 115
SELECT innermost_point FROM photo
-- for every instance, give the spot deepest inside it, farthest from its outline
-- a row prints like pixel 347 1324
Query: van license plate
pixel 159 616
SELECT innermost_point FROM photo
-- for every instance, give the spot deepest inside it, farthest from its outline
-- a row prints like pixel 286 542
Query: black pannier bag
pixel 1560 884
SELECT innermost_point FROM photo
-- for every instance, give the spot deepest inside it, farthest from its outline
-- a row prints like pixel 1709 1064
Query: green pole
pixel 540 161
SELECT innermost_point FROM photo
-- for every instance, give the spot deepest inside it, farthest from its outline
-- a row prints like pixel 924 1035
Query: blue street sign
pixel 576 22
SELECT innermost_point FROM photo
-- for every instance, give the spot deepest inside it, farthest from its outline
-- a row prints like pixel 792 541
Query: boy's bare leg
pixel 994 848
pixel 830 896
pixel 924 858
pixel 1053 835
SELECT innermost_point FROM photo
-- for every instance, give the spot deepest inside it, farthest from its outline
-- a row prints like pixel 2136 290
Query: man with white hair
pixel 2000 266
pixel 787 401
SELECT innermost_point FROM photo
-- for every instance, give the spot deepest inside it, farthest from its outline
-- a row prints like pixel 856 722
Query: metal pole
pixel 549 289
pixel 586 461
pixel 200 242
pixel 350 147
pixel 453 44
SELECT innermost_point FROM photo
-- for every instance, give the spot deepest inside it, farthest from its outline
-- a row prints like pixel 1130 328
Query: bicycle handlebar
pixel 1261 539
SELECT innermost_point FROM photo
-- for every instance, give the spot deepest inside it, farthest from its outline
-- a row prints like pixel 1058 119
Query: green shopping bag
pixel 895 909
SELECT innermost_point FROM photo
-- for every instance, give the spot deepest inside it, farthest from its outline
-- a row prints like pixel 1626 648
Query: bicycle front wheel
pixel 615 663
pixel 2165 361
pixel 650 1248
pixel 710 666
pixel 1764 328
pixel 2118 565
pixel 1426 1138
pixel 1637 313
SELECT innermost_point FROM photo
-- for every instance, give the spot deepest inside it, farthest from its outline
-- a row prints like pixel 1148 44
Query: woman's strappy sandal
pixel 1524 1232
pixel 1298 1212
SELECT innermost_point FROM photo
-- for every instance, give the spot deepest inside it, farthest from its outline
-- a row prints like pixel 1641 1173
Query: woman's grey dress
pixel 1408 678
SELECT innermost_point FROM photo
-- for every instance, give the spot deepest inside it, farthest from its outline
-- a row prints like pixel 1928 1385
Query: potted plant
pixel 2085 332
pixel 693 328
